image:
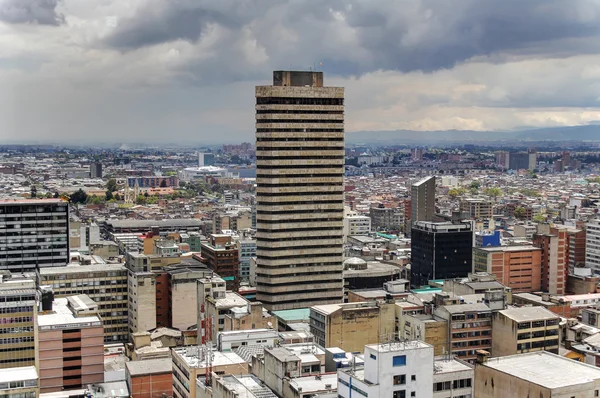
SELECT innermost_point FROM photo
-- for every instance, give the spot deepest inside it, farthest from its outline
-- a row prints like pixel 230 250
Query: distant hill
pixel 572 133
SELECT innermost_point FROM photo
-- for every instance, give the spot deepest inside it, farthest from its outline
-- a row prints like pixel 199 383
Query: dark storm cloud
pixel 402 35
pixel 41 12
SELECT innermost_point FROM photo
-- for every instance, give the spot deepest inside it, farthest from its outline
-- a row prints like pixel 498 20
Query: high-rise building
pixel 96 170
pixel 440 251
pixel 221 255
pixel 517 267
pixel 18 314
pixel 34 233
pixel 592 246
pixel 423 200
pixel 555 257
pixel 522 160
pixel 300 191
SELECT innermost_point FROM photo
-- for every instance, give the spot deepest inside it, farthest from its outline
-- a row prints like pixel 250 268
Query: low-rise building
pixel 152 378
pixel 352 325
pixel 535 374
pixel 189 364
pixel 21 382
pixel 452 378
pixel 524 329
pixel 470 328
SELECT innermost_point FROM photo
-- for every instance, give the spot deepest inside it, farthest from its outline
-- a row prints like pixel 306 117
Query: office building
pixel 300 191
pixel 502 159
pixel 555 257
pixel 96 170
pixel 71 344
pixel 524 329
pixel 469 328
pixel 106 284
pixel 592 246
pixel 517 267
pixel 423 200
pixel 18 314
pixel 386 218
pixel 440 251
pixel 246 251
pixel 355 224
pixel 477 208
pixel 220 254
pixel 350 326
pixel 34 234
pixel 19 382
pixel 535 374
pixel 522 160
pixel 153 182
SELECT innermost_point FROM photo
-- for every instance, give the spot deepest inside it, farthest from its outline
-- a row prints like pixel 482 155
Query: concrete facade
pixel 106 284
pixel 149 378
pixel 525 329
pixel 300 191
pixel 18 316
pixel 423 200
pixel 352 325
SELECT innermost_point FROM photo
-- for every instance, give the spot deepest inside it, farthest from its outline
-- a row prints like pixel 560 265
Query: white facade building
pixel 356 225
pixel 592 246
pixel 396 370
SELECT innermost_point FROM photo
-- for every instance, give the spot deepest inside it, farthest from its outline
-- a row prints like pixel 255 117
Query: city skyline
pixel 151 69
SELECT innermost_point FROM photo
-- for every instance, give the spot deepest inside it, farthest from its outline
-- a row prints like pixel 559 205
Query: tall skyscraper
pixel 423 200
pixel 299 195
pixel 34 233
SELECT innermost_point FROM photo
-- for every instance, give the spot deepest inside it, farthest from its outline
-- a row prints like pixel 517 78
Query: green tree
pixel 493 192
pixel 56 195
pixel 163 183
pixel 111 185
pixel 109 195
pixel 520 212
pixel 475 185
pixel 140 200
pixel 530 192
pixel 79 196
pixel 539 218
pixel 33 191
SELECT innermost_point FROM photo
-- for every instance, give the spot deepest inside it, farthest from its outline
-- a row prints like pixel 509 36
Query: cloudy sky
pixel 184 71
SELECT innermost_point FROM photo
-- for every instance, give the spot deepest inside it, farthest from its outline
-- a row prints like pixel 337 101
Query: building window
pixel 399 394
pixel 399 360
pixel 372 356
pixel 399 380
pixel 413 378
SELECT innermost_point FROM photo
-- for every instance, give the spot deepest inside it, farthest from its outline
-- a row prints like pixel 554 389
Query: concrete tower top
pixel 297 78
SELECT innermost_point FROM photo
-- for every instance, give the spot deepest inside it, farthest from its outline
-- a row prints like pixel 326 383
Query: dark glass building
pixel 440 251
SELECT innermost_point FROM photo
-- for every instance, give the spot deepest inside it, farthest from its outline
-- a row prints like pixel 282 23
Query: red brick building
pixel 150 378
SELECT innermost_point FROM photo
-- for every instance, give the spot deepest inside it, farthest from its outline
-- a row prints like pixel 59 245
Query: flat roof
pixel 31 201
pixel 508 248
pixel 443 365
pixel 545 369
pixel 399 346
pixel 62 317
pixel 524 314
pixel 326 382
pixel 158 223
pixel 458 308
pixel 191 356
pixel 72 269
pixel 18 374
pixel 293 315
pixel 149 366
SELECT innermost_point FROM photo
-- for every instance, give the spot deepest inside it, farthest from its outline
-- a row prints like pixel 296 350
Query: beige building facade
pixel 300 191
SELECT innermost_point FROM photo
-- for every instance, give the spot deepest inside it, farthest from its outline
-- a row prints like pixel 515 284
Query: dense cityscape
pixel 301 265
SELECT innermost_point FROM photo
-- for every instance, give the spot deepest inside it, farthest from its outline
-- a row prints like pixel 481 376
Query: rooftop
pixel 18 374
pixel 399 346
pixel 459 308
pixel 193 358
pixel 63 317
pixel 76 268
pixel 545 369
pixel 443 365
pixel 149 366
pixel 324 382
pixel 31 201
pixel 508 248
pixel 523 314
pixel 293 315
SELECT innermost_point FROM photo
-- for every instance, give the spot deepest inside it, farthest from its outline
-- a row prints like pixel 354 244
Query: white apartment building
pixel 592 246
pixel 396 370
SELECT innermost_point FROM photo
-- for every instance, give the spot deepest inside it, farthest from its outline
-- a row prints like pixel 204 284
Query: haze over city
pixel 148 70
